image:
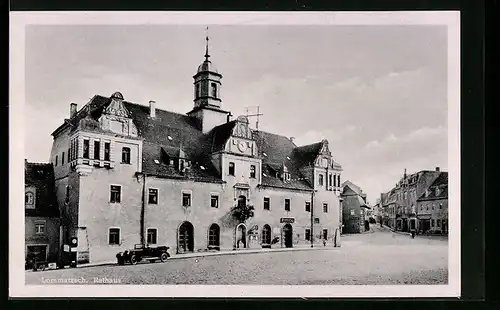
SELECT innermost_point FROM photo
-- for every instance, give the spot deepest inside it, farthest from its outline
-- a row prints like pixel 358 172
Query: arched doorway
pixel 241 236
pixel 214 237
pixel 266 236
pixel 185 241
pixel 288 235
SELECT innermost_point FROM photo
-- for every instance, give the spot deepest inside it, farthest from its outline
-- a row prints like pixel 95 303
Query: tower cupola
pixel 207 83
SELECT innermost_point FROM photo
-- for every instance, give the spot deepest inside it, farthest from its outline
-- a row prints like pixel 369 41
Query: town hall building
pixel 127 174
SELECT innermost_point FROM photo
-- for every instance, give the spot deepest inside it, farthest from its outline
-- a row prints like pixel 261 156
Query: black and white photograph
pixel 203 154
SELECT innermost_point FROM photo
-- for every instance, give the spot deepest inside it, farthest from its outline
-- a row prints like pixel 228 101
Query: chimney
pixel 437 169
pixel 292 139
pixel 229 116
pixel 72 109
pixel 152 108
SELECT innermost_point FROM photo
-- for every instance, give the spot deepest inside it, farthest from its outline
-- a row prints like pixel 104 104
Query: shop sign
pixel 287 220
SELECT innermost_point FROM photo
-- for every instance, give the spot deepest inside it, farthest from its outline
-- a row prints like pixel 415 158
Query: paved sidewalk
pixel 301 247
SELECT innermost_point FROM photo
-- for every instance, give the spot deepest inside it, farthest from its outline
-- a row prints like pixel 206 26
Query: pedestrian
pixel 324 242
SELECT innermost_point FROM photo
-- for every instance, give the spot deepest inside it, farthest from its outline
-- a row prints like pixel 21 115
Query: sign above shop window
pixel 289 220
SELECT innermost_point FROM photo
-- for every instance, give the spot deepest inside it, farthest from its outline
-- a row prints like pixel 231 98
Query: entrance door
pixel 266 235
pixel 288 235
pixel 35 253
pixel 241 236
pixel 185 242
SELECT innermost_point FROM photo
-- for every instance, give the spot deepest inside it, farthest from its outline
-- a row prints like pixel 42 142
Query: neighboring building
pixel 388 202
pixel 354 208
pixel 402 199
pixel 432 207
pixel 128 174
pixel 42 223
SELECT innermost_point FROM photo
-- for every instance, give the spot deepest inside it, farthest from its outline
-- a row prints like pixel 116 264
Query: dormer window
pixel 437 191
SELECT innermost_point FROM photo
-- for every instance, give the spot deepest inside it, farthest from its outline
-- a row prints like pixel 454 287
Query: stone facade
pixel 138 174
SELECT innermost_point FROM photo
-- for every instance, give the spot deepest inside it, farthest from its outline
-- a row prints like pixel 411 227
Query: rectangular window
pixel 57 159
pixel 125 155
pixel 316 220
pixel 186 199
pixel 62 158
pixel 325 234
pixel 214 90
pixel 252 171
pixel 308 206
pixel 40 228
pixel 335 181
pixel 152 235
pixel 114 236
pixel 308 234
pixel 107 147
pixel 439 223
pixel 287 204
pixel 231 168
pixel 85 148
pixel 433 222
pixel 115 196
pixel 338 180
pixel 153 196
pixel 320 180
pixel 330 180
pixel 214 201
pixel 69 155
pixel 97 150
pixel 325 208
pixel 267 203
pixel 352 212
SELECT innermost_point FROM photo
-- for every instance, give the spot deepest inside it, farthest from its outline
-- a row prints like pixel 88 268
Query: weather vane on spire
pixel 206 49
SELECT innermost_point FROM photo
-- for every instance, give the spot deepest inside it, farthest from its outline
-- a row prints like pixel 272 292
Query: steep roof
pixel 354 187
pixel 440 182
pixel 169 134
pixel 41 177
pixel 276 151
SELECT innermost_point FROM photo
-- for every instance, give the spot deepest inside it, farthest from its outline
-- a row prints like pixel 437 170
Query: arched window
pixel 214 90
pixel 214 237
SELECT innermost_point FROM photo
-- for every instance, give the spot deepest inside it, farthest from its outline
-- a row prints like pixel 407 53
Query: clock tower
pixel 207 96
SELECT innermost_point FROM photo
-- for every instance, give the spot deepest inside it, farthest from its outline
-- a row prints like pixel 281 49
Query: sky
pixel 378 94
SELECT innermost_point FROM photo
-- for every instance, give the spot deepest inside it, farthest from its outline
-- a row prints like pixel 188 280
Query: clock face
pixel 242 146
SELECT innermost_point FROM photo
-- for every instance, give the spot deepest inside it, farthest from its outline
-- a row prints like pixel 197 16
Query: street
pixel 379 257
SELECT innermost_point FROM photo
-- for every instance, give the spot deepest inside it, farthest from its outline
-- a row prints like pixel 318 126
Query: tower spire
pixel 206 48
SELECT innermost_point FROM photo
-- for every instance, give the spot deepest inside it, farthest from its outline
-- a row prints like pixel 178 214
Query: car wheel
pixel 163 257
pixel 133 259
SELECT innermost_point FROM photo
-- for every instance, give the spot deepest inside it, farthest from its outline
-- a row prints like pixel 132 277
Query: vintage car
pixel 143 252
